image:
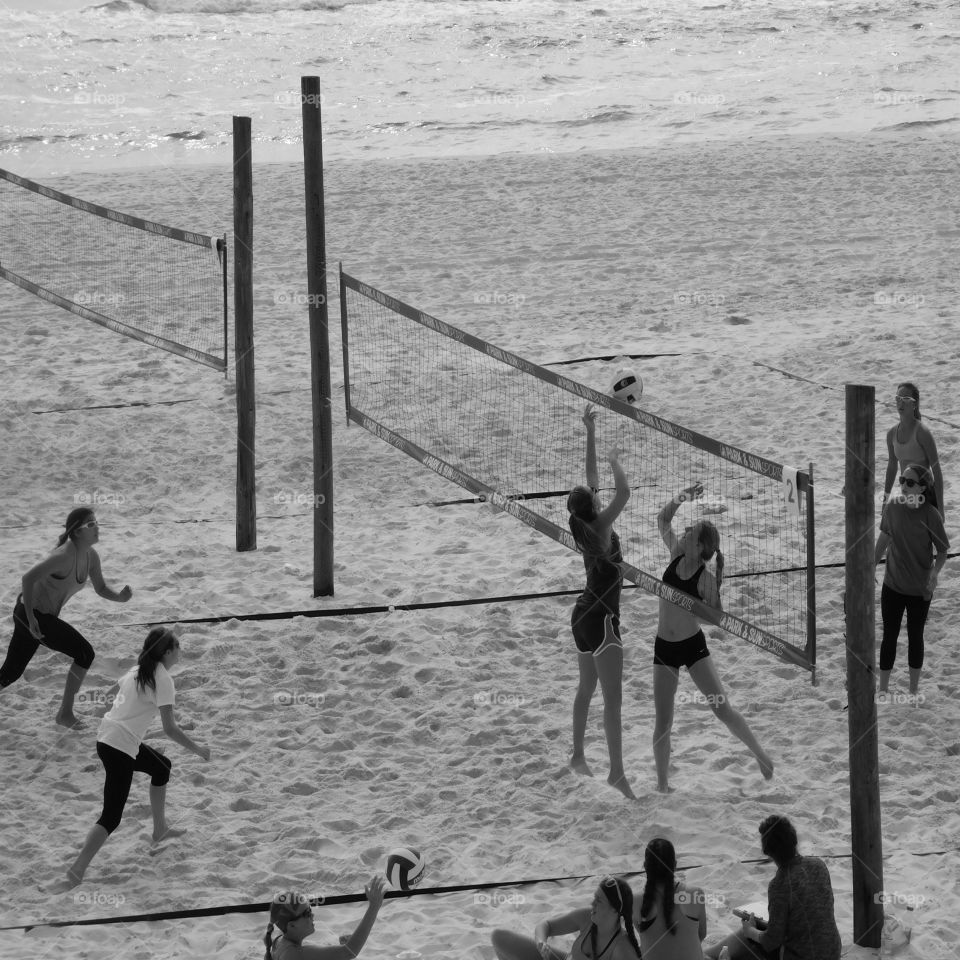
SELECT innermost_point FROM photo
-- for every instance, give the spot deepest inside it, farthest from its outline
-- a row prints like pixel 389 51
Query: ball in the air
pixel 627 386
pixel 405 867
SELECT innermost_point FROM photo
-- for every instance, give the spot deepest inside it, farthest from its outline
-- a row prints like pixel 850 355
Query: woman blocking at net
pixel 46 587
pixel 911 442
pixel 145 690
pixel 292 913
pixel 915 542
pixel 680 641
pixel 671 918
pixel 604 931
pixel 596 615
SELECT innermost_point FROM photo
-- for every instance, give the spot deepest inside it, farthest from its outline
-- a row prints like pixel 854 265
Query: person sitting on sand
pixel 140 693
pixel 292 913
pixel 680 641
pixel 604 932
pixel 46 587
pixel 799 906
pixel 596 615
pixel 911 442
pixel 671 918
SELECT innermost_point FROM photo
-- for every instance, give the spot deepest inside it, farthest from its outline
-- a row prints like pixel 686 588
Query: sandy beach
pixel 762 267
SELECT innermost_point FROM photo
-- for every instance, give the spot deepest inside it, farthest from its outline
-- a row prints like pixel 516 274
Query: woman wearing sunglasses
pixel 911 442
pixel 915 542
pixel 595 620
pixel 139 695
pixel 291 912
pixel 671 918
pixel 46 587
pixel 604 931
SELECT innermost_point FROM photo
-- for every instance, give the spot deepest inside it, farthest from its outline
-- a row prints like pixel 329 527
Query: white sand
pixel 335 739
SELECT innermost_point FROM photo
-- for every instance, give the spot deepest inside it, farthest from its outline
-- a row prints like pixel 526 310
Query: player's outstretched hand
pixel 613 454
pixel 375 890
pixel 590 416
pixel 693 492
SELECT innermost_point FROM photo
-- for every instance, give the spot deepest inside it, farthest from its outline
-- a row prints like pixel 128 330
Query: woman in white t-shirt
pixel 142 692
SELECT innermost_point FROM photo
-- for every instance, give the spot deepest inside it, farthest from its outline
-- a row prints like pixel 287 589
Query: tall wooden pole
pixel 319 339
pixel 243 334
pixel 865 820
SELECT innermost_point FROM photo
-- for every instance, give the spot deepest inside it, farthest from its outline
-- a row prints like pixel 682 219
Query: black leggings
pixel 892 606
pixel 119 767
pixel 57 635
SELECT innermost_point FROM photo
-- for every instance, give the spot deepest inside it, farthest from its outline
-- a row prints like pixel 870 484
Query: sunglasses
pixel 907 482
pixel 89 525
pixel 905 399
pixel 308 913
pixel 608 883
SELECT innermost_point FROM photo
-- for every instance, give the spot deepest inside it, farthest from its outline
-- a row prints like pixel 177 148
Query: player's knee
pixel 109 820
pixel 84 659
pixel 162 776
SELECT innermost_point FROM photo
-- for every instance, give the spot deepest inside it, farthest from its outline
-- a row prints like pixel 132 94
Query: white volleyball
pixel 405 867
pixel 627 386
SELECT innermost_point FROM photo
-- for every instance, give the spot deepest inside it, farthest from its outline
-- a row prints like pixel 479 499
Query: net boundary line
pixel 117 326
pixel 336 899
pixel 147 226
pixel 646 581
pixel 749 461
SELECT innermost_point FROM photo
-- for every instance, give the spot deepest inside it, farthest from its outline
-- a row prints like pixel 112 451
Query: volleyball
pixel 627 386
pixel 405 867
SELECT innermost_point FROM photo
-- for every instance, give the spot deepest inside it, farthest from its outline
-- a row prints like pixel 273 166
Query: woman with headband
pixel 46 587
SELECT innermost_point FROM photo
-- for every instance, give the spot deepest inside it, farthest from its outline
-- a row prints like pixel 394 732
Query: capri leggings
pixel 892 607
pixel 119 767
pixel 57 635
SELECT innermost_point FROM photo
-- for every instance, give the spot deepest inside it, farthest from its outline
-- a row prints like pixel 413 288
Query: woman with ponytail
pixel 142 692
pixel 680 641
pixel 596 614
pixel 46 587
pixel 671 918
pixel 604 931
pixel 293 915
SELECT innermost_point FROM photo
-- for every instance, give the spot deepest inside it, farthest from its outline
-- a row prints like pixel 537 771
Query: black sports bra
pixel 673 579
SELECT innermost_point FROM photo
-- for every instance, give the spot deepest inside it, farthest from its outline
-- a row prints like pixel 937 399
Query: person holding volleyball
pixel 680 641
pixel 596 615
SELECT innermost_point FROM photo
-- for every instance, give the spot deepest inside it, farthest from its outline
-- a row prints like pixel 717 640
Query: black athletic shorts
pixel 588 629
pixel 680 653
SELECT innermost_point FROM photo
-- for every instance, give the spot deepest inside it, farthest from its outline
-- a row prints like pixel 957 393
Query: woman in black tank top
pixel 595 620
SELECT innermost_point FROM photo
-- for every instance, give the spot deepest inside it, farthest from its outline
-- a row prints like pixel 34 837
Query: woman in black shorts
pixel 47 586
pixel 596 615
pixel 680 641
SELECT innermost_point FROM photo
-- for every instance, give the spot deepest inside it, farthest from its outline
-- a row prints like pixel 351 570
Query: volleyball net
pixel 511 432
pixel 157 284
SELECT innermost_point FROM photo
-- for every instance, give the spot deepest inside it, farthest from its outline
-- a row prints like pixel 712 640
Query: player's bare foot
pixel 579 765
pixel 665 788
pixel 620 783
pixel 70 721
pixel 168 833
pixel 766 765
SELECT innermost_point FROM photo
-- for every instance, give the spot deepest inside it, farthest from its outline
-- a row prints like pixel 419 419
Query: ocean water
pixel 128 84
